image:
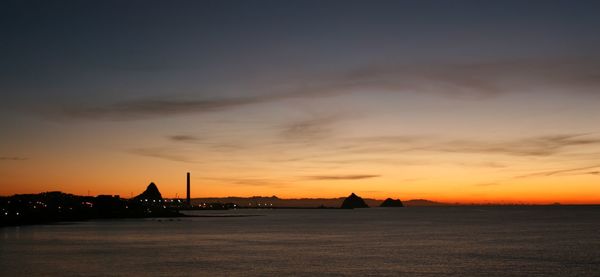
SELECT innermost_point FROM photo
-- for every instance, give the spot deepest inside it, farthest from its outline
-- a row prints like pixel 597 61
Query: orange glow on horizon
pixel 517 192
pixel 372 157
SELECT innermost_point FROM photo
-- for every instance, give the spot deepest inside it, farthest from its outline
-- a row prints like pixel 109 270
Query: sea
pixel 411 241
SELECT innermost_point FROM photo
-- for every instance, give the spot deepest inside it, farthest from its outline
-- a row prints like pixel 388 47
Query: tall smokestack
pixel 188 200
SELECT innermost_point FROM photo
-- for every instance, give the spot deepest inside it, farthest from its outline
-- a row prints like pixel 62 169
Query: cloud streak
pixel 185 138
pixel 216 146
pixel 13 159
pixel 253 182
pixel 535 146
pixel 163 153
pixel 317 128
pixel 532 146
pixel 475 81
pixel 570 171
pixel 342 177
pixel 144 108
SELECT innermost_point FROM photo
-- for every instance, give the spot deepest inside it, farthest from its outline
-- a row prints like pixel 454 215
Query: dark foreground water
pixel 425 241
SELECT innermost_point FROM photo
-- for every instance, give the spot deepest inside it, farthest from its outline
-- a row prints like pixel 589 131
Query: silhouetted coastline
pixel 48 207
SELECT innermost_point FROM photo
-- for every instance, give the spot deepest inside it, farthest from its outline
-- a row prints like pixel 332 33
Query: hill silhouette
pixel 354 201
pixel 389 203
pixel 424 203
pixel 151 193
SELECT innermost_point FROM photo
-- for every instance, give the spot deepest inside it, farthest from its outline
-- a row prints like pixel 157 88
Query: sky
pixel 458 101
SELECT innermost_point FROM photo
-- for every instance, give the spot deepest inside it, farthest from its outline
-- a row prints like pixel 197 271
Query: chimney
pixel 188 200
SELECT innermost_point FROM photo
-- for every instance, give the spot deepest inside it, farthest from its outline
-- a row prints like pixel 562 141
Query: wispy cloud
pixel 548 173
pixel 482 79
pixel 530 146
pixel 206 143
pixel 316 128
pixel 569 171
pixel 163 153
pixel 487 184
pixel 143 108
pixel 13 159
pixel 474 81
pixel 184 138
pixel 342 177
pixel 534 146
pixel 253 182
pixel 157 107
pixel 259 183
pixel 339 151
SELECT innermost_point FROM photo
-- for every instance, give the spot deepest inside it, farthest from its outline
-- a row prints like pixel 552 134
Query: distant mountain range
pixel 274 201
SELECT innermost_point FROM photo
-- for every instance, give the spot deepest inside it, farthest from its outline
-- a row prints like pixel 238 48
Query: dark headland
pixel 57 206
pixel 151 193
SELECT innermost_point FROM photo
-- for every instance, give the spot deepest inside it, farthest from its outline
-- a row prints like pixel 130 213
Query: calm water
pixel 427 241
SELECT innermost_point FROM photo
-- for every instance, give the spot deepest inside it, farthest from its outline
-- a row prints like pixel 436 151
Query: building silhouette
pixel 188 200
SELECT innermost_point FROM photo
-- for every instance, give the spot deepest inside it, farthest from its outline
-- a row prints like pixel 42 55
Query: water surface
pixel 417 241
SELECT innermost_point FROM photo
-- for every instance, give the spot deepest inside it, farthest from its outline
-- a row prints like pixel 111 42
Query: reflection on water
pixel 492 241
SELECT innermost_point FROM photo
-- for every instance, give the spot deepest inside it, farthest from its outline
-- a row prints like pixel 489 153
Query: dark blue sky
pixel 63 50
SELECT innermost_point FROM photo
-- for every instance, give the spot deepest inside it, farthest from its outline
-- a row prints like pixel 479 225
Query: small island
pixel 354 201
pixel 391 203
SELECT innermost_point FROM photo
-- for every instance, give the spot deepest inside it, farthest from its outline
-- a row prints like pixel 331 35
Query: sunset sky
pixel 462 101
